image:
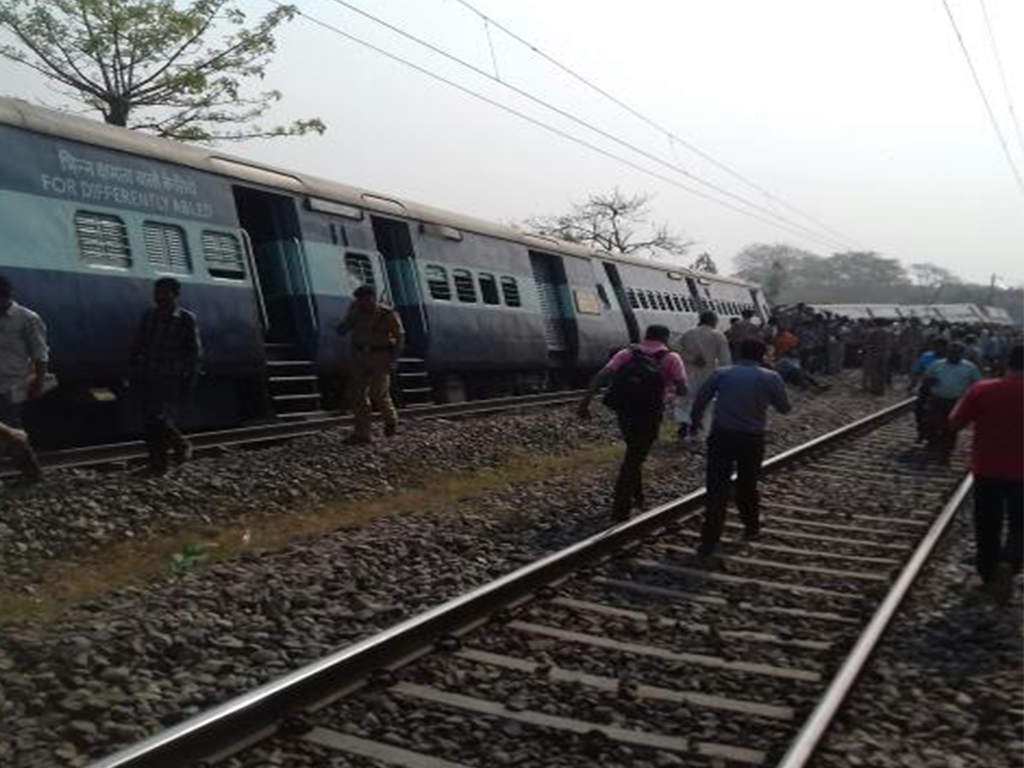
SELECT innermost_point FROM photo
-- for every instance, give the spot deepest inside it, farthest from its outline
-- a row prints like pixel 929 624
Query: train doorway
pixel 552 291
pixel 282 276
pixel 395 244
pixel 620 293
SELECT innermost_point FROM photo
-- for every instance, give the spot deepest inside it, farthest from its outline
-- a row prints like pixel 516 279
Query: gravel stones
pixel 140 659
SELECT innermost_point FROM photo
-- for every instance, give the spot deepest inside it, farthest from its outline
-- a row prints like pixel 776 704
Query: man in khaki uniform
pixel 703 349
pixel 377 340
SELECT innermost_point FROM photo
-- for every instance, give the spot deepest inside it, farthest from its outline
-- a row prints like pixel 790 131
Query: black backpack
pixel 637 387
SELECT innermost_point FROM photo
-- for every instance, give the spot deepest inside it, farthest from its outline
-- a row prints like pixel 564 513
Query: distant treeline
pixel 789 275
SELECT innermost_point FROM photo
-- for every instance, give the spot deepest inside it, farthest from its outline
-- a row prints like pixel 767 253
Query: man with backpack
pixel 742 394
pixel 642 376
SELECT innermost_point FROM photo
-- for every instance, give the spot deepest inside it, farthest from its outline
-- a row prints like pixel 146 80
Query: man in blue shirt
pixel 936 351
pixel 742 394
pixel 946 380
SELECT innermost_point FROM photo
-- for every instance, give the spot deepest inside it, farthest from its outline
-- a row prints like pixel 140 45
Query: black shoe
pixel 355 439
pixel 750 532
pixel 183 453
pixel 638 501
pixel 390 430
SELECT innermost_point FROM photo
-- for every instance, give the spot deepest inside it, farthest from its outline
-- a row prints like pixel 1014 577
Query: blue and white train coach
pixel 91 215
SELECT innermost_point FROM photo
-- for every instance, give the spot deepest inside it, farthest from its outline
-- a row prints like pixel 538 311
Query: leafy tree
pixel 176 69
pixel 613 222
pixel 704 263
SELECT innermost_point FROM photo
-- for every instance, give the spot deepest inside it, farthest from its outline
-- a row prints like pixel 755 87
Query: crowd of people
pixel 721 385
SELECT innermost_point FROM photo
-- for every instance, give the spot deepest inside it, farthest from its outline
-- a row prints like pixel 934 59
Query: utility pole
pixel 992 289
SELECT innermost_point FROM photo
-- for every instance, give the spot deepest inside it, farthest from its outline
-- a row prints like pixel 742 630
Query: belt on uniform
pixel 373 347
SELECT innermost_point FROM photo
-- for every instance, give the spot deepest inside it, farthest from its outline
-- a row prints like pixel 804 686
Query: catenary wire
pixel 655 125
pixel 1002 77
pixel 835 242
pixel 546 126
pixel 984 98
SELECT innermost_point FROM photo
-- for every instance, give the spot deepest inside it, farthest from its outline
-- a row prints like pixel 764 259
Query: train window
pixel 643 299
pixel 103 239
pixel 488 288
pixel 510 290
pixel 360 269
pixel 464 287
pixel 678 301
pixel 652 300
pixel 632 299
pixel 166 247
pixel 223 254
pixel 437 282
pixel 662 303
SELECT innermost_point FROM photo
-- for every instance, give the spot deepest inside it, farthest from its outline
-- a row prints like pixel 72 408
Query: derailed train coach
pixel 91 215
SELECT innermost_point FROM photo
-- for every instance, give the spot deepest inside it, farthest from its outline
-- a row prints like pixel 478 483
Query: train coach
pixel 91 215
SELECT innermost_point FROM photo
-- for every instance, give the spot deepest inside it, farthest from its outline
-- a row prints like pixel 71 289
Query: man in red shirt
pixel 996 408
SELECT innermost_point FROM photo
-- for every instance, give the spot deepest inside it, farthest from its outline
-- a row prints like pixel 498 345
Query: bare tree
pixel 932 279
pixel 177 69
pixel 614 222
pixel 704 263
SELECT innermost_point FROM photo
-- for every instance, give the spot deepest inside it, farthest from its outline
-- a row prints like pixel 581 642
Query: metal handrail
pixel 802 747
pixel 260 709
pixel 255 277
pixel 304 271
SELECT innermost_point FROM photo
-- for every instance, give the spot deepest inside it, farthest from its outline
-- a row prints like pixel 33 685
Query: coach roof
pixel 21 114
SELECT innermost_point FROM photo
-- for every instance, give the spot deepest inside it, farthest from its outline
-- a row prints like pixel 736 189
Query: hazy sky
pixel 862 113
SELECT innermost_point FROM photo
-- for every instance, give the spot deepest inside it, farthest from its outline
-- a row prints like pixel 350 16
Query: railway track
pixel 621 649
pixel 252 436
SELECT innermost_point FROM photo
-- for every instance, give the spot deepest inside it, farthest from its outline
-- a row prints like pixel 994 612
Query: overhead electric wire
pixel 584 123
pixel 1002 77
pixel 984 98
pixel 546 126
pixel 654 124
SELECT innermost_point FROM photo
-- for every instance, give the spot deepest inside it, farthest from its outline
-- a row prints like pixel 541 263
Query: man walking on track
pixel 947 380
pixel 996 408
pixel 742 394
pixel 703 349
pixel 641 376
pixel 377 341
pixel 165 361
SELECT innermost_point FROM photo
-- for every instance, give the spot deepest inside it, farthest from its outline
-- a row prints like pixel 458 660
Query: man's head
pixel 940 345
pixel 656 333
pixel 752 349
pixel 733 320
pixel 955 352
pixel 366 298
pixel 1015 362
pixel 708 318
pixel 6 294
pixel 165 293
pixel 747 314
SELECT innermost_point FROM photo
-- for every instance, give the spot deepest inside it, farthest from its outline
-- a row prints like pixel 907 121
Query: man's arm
pixel 778 396
pixel 347 321
pixel 723 354
pixel 704 396
pixel 39 353
pixel 965 411
pixel 598 380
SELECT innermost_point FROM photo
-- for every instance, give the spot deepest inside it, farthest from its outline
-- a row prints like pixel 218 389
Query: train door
pixel 620 293
pixel 552 293
pixel 271 225
pixel 698 301
pixel 760 305
pixel 395 245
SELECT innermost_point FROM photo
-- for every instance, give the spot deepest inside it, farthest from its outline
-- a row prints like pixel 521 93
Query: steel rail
pixel 813 732
pixel 285 430
pixel 259 710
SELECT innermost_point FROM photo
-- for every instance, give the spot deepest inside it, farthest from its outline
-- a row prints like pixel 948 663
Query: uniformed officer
pixel 377 340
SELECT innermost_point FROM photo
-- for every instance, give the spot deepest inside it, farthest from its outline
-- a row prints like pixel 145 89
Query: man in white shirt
pixel 703 350
pixel 23 358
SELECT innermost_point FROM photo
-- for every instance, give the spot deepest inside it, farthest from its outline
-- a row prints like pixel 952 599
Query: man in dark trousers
pixel 996 408
pixel 642 376
pixel 165 362
pixel 742 394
